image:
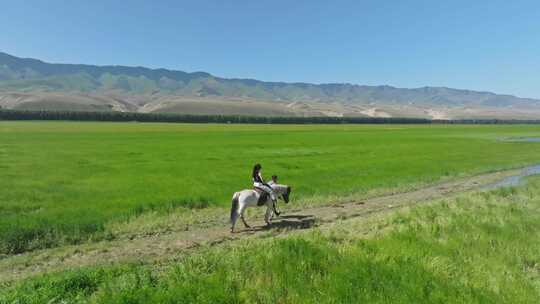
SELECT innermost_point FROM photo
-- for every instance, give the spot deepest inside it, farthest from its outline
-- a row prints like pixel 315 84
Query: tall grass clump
pixel 73 226
pixel 18 234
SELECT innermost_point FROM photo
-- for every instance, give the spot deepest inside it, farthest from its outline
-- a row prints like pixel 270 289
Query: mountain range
pixel 31 84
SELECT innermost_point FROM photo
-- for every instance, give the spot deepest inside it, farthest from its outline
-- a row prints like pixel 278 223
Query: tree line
pixel 185 118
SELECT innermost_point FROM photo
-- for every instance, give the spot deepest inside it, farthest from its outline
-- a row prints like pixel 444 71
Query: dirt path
pixel 172 246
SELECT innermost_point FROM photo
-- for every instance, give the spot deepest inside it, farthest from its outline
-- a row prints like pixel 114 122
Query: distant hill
pixel 34 84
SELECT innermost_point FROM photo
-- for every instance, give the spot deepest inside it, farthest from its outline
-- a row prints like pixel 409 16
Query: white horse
pixel 251 198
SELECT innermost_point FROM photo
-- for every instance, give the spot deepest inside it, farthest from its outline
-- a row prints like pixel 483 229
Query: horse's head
pixel 282 191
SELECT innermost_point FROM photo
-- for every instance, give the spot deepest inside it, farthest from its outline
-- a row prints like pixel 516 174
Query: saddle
pixel 263 196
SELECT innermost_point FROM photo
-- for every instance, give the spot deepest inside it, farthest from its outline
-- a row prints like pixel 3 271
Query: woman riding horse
pixel 252 198
pixel 259 182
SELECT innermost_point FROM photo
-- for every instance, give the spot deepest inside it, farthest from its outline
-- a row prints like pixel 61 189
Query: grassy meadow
pixel 476 248
pixel 63 182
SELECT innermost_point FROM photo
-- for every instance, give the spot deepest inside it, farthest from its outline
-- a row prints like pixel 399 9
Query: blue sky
pixel 481 45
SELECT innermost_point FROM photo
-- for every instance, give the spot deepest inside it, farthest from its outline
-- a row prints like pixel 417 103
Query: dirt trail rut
pixel 174 245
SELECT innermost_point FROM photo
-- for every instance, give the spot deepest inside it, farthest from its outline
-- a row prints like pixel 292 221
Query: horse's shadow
pixel 288 222
pixel 299 217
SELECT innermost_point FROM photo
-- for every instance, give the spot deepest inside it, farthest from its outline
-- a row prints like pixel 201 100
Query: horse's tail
pixel 234 207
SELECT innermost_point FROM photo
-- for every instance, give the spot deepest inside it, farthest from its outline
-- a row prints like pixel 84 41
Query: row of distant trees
pixel 169 117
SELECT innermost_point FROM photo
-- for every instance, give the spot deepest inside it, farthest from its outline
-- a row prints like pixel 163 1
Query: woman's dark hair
pixel 256 169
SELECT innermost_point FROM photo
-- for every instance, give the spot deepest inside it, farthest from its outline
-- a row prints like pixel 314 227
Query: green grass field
pixel 62 182
pixel 476 248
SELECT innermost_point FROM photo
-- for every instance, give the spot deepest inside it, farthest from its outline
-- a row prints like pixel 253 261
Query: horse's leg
pixel 244 220
pixel 268 215
pixel 242 209
pixel 276 210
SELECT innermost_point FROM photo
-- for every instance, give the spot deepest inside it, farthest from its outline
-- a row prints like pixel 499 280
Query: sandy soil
pixel 374 112
pixel 437 114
